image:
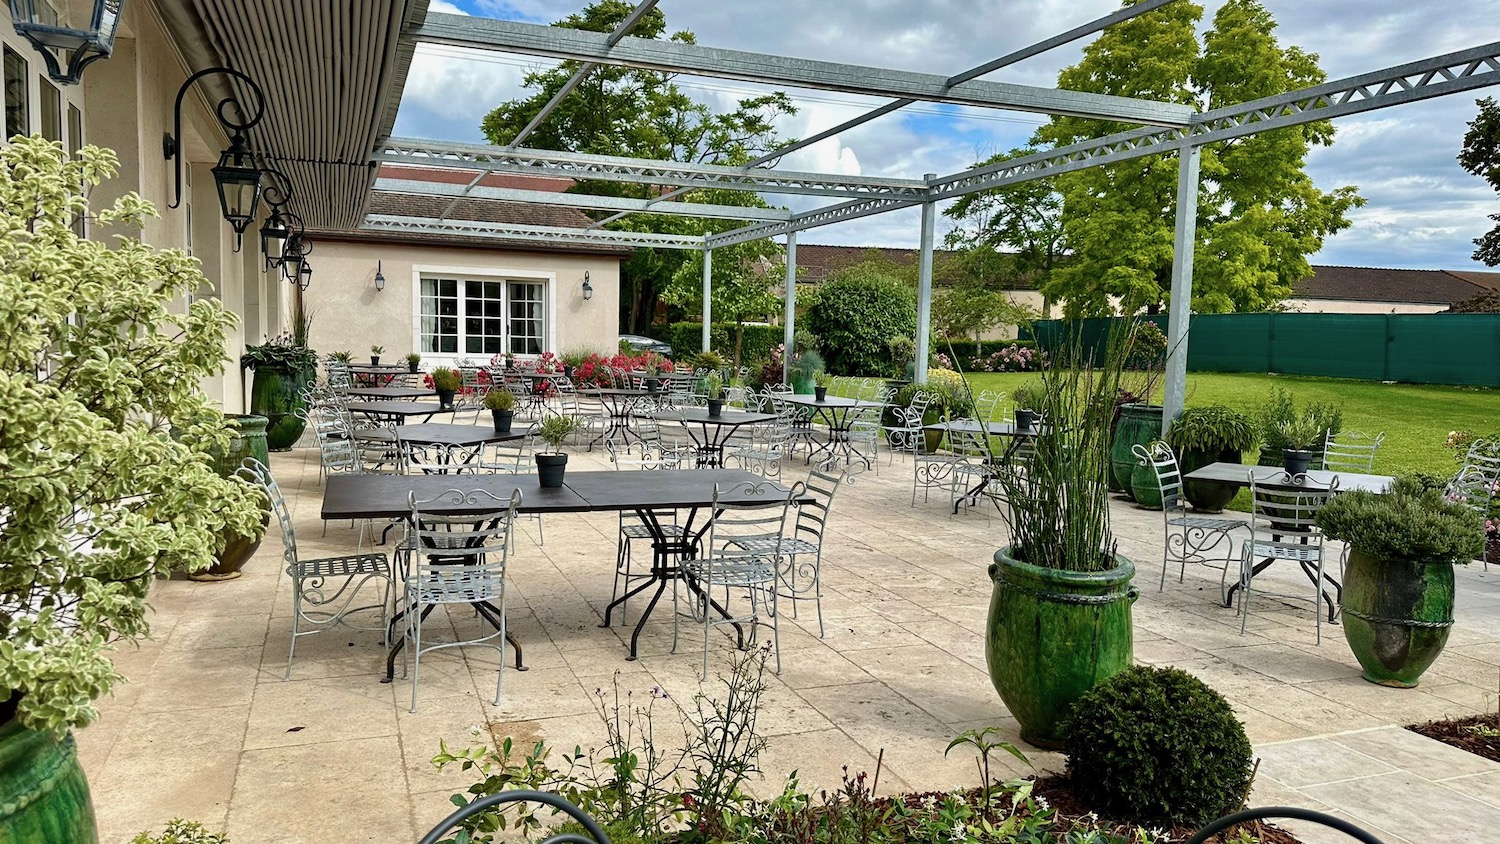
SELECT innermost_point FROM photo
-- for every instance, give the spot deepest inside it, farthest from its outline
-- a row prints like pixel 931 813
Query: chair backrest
pixel 1163 462
pixel 461 557
pixel 917 407
pixel 1474 488
pixel 1350 451
pixel 812 516
pixel 968 443
pixel 733 518
pixel 640 456
pixel 337 449
pixel 512 457
pixel 436 458
pixel 1286 507
pixel 1484 456
pixel 985 405
pixel 257 472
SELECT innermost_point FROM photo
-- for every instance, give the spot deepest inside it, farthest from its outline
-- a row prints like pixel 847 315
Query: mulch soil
pixel 1056 790
pixel 1478 734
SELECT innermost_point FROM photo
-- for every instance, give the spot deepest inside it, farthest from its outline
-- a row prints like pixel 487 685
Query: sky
pixel 1423 211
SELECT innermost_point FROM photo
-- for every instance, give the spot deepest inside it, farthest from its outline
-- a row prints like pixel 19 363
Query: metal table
pixel 540 385
pixel 619 403
pixel 397 411
pixel 379 393
pixel 1008 430
pixel 712 432
pixel 376 374
pixel 839 413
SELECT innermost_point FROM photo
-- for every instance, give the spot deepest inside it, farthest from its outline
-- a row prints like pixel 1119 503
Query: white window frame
pixel 546 278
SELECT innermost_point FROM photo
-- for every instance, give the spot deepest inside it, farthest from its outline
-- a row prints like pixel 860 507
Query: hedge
pixel 687 340
pixel 967 350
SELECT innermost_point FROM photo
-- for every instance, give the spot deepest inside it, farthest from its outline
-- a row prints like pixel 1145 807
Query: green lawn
pixel 1416 419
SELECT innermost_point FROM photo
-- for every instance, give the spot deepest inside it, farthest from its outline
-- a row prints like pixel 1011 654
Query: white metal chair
pixel 514 458
pixel 725 568
pixel 907 435
pixel 1350 451
pixel 437 458
pixel 1283 526
pixel 456 559
pixel 1476 489
pixel 1185 538
pixel 315 600
pixel 764 456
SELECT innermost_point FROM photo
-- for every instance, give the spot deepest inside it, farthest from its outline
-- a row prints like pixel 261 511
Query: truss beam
pixel 810 220
pixel 579 200
pixel 677 57
pixel 574 165
pixel 536 234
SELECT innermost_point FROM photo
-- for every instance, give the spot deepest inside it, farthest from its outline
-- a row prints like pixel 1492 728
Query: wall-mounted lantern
pixel 379 278
pixel 588 289
pixel 38 22
pixel 237 176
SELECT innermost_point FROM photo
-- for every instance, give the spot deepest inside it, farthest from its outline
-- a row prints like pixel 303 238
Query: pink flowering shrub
pixel 1012 358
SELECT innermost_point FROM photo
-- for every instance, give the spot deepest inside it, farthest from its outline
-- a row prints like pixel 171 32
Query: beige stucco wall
pixel 1344 306
pixel 349 314
pixel 1031 298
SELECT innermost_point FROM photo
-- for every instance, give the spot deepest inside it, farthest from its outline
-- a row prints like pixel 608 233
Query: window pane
pixel 439 315
pixel 526 318
pixel 17 111
pixel 51 112
pixel 75 143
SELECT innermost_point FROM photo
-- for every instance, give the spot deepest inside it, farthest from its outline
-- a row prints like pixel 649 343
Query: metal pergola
pixel 1164 128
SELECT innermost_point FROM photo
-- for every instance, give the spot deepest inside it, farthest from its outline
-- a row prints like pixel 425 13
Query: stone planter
pixel 1052 635
pixel 44 796
pixel 1139 424
pixel 1396 616
pixel 276 393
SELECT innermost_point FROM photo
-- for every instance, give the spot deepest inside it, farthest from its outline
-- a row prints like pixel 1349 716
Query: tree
pixel 1481 156
pixel 97 363
pixel 1259 214
pixel 855 315
pixel 642 114
pixel 1024 219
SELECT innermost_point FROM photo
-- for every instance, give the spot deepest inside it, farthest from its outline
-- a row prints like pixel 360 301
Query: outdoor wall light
pixel 588 289
pixel 294 260
pixel 237 175
pixel 278 226
pixel 303 278
pixel 37 21
pixel 379 278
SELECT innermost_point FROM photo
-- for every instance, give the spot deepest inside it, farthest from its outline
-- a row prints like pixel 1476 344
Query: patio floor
pixel 208 730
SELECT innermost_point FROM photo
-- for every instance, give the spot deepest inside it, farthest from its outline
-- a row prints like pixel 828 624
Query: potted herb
pixel 822 380
pixel 1059 618
pixel 1279 409
pixel 283 370
pixel 713 387
pixel 653 370
pixel 375 353
pixel 1209 434
pixel 554 430
pixel 1298 437
pixel 99 499
pixel 412 360
pixel 502 405
pixel 344 357
pixel 1027 396
pixel 1397 597
pixel 447 382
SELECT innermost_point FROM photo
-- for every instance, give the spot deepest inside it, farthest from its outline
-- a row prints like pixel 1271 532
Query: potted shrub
pixel 550 467
pixel 1397 598
pixel 502 405
pixel 822 381
pixel 246 439
pixel 283 369
pixel 375 353
pixel 1209 434
pixel 412 360
pixel 1026 397
pixel 1278 409
pixel 100 359
pixel 447 382
pixel 344 357
pixel 1059 617
pixel 653 369
pixel 713 387
pixel 1299 436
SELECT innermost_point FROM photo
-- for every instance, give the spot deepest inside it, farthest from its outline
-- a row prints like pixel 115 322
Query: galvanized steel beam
pixel 538 234
pixel 578 200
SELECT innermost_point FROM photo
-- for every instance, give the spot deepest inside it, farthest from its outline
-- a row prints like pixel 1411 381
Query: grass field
pixel 1416 419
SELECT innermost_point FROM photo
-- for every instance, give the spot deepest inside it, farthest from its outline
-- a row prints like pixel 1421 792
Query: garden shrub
pixel 1157 747
pixel 687 339
pixel 855 316
pixel 967 350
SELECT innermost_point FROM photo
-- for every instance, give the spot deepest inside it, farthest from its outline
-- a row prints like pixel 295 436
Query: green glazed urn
pixel 44 797
pixel 1140 424
pixel 276 393
pixel 1396 616
pixel 1052 635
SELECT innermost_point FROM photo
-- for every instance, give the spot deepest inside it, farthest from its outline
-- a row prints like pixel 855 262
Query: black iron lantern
pixel 273 235
pixel 304 275
pixel 279 225
pixel 294 259
pixel 38 22
pixel 238 179
pixel 237 176
pixel 588 289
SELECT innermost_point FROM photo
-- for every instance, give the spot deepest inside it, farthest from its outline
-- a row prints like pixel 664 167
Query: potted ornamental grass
pixel 1301 439
pixel 1397 597
pixel 1204 435
pixel 413 360
pixel 713 387
pixel 447 381
pixel 1059 617
pixel 502 405
pixel 109 479
pixel 551 466
pixel 283 369
pixel 822 380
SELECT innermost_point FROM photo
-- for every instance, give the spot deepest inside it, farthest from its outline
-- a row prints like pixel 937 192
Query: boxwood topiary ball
pixel 1157 747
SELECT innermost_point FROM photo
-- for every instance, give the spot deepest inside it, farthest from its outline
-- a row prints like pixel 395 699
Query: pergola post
pixel 924 288
pixel 790 319
pixel 708 296
pixel 1182 284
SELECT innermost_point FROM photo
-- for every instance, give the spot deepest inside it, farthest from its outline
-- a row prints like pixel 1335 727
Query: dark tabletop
pixel 379 367
pixel 385 496
pixel 995 429
pixel 1236 474
pixel 699 415
pixel 392 392
pixel 616 391
pixel 430 433
pixel 811 400
pixel 396 408
pixel 625 490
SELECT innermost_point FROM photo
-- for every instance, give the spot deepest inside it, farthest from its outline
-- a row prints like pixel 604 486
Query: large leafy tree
pixel 1481 156
pixel 1022 220
pixel 1259 214
pixel 642 114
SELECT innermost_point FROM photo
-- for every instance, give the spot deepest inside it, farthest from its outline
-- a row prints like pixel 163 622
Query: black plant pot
pixel 820 393
pixel 374 360
pixel 715 407
pixel 503 419
pixel 445 399
pixel 1296 462
pixel 550 469
pixel 1025 419
pixel 411 367
pixel 653 384
pixel 568 371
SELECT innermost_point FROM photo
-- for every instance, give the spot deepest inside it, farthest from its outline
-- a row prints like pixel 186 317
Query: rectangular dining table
pixel 839 413
pixel 397 411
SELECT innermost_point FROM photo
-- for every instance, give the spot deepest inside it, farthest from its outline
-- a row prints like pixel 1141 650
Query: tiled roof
pixel 485 211
pixel 1374 284
pixel 816 262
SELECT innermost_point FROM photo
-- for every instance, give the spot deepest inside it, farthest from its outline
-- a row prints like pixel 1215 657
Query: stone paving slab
pixel 208 729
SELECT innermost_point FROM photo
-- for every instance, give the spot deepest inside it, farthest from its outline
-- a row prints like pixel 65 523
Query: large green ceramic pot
pixel 1140 424
pixel 1052 635
pixel 247 439
pixel 1203 495
pixel 44 798
pixel 276 393
pixel 1144 487
pixel 1396 616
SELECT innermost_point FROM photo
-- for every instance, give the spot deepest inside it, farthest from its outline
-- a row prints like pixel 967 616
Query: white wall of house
pixel 349 314
pixel 1350 306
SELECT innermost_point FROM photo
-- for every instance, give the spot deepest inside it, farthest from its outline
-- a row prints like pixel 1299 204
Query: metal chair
pixel 437 458
pixel 638 457
pixel 764 456
pixel 1283 526
pixel 985 405
pixel 1476 489
pixel 1351 451
pixel 864 435
pixel 456 559
pixel 1186 539
pixel 907 435
pixel 724 567
pixel 514 458
pixel 930 470
pixel 314 600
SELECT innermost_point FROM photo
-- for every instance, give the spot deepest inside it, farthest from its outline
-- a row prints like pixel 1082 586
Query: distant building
pixel 1371 290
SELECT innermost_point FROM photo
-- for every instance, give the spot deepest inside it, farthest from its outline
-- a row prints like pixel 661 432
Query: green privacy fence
pixel 1414 348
